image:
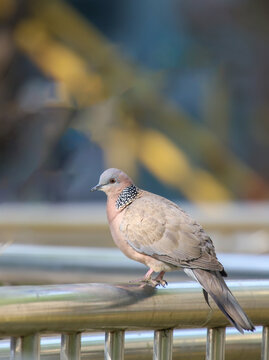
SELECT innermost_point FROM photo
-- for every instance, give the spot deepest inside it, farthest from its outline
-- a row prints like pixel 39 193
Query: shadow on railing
pixel 28 311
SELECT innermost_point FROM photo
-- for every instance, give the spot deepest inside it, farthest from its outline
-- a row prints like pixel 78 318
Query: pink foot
pixel 159 279
pixel 145 279
pixel 152 282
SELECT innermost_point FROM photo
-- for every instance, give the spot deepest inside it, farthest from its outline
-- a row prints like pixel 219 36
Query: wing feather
pixel 155 226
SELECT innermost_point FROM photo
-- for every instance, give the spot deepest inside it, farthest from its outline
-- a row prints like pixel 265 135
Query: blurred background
pixel 175 93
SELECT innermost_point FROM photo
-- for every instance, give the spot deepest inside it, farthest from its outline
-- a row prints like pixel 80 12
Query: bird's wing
pixel 157 227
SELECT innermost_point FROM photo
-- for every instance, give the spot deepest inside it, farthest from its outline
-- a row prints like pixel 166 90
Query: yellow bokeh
pixel 167 162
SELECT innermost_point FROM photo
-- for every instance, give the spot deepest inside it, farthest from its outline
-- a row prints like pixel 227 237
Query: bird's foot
pixel 147 280
pixel 155 282
pixel 161 282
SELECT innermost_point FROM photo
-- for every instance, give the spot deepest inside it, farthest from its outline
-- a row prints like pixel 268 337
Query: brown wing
pixel 155 226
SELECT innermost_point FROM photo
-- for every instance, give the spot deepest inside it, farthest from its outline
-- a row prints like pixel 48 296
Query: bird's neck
pixel 127 196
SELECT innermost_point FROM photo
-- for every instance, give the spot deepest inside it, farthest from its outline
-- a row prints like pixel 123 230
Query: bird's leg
pixel 146 278
pixel 159 279
pixel 153 282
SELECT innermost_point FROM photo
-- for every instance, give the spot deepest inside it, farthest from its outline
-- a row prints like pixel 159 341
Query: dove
pixel 155 231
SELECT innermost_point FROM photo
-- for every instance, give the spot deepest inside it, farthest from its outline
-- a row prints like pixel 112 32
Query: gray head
pixel 113 181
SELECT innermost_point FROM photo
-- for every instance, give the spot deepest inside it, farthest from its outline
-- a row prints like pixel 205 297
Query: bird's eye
pixel 112 181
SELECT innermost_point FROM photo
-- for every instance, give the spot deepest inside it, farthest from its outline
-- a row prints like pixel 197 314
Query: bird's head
pixel 112 182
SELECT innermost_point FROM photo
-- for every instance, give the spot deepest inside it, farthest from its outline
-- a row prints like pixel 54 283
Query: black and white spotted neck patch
pixel 127 196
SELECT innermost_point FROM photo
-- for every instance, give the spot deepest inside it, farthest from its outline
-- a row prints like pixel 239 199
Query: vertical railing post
pixel 114 345
pixel 30 347
pixel 70 346
pixel 15 348
pixel 265 343
pixel 215 344
pixel 163 344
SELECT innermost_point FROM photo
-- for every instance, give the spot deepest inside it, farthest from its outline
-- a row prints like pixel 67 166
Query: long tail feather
pixel 213 283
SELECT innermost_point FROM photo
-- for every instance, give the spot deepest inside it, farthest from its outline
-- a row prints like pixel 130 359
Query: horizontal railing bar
pixel 187 344
pixel 82 307
pixel 224 216
pixel 34 264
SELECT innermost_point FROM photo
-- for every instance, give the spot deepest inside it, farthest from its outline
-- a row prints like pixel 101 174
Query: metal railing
pixel 70 310
pixel 187 345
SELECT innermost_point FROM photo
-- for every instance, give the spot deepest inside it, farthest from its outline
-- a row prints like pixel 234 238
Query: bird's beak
pixel 97 187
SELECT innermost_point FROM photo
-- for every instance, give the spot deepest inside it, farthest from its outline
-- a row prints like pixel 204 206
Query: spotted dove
pixel 156 232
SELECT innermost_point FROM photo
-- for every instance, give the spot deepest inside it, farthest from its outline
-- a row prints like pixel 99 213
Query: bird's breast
pixel 121 242
pixel 119 238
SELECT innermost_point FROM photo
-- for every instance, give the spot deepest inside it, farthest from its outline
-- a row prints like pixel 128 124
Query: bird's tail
pixel 213 283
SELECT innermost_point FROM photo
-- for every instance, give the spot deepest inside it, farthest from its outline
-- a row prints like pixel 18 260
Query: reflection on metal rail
pixel 26 312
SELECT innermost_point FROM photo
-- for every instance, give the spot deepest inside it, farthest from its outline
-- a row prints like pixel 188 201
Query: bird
pixel 155 231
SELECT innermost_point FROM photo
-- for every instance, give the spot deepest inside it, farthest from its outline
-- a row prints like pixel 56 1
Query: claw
pixel 147 280
pixel 164 283
pixel 156 282
pixel 151 282
pixel 159 280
